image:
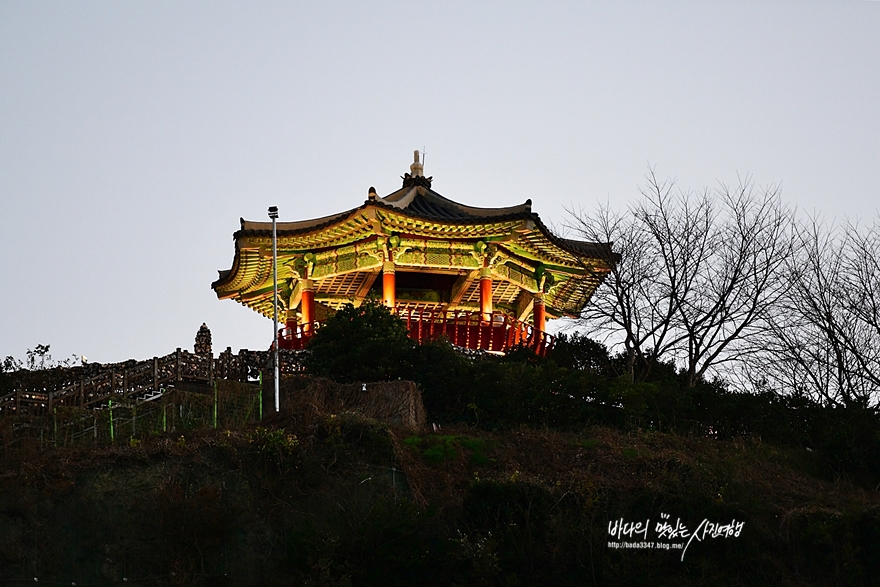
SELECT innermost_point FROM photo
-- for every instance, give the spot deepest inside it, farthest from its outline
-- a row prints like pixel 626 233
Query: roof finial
pixel 416 176
pixel 416 168
pixel 372 195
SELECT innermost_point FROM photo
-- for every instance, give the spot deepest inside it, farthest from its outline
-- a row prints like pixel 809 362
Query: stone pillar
pixel 389 291
pixel 486 294
pixel 308 306
pixel 538 312
pixel 203 341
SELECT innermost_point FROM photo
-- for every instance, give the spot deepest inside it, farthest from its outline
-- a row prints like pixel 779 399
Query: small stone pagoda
pixel 485 278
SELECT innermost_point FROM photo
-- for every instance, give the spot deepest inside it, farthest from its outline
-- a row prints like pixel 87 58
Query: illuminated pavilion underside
pixel 433 260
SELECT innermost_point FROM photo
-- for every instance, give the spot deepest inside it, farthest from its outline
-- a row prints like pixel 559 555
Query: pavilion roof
pixel 421 202
pixel 416 211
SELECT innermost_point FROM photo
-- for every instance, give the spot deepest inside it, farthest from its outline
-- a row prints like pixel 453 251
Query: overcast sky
pixel 133 135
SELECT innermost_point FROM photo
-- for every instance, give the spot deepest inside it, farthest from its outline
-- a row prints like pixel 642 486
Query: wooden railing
pixel 498 333
pixel 296 339
pixel 134 382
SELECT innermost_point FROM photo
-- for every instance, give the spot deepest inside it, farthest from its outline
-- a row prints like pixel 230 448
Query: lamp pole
pixel 273 214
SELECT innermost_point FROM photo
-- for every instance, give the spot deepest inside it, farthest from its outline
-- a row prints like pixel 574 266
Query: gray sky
pixel 133 135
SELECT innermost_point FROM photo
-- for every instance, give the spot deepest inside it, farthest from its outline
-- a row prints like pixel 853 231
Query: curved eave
pixel 248 270
pixel 524 233
pixel 568 252
pixel 399 201
pixel 579 250
pixel 287 229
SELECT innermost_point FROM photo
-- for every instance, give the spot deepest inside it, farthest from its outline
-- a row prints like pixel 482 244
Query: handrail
pixel 133 381
pixel 468 329
pixel 298 338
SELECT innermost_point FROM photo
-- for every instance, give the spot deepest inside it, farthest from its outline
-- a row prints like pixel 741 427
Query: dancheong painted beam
pixel 483 277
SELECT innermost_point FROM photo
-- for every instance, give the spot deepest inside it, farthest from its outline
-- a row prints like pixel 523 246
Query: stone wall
pixel 398 403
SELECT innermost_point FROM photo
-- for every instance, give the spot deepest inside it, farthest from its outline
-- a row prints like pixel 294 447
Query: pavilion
pixel 486 278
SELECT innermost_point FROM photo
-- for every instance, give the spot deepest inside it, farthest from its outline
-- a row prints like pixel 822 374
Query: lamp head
pixel 273 212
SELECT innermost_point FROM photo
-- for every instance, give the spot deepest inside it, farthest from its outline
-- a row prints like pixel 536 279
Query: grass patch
pixel 589 443
pixel 412 441
pixel 446 448
pixel 442 451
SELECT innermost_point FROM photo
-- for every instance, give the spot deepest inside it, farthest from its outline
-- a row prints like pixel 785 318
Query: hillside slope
pixel 326 499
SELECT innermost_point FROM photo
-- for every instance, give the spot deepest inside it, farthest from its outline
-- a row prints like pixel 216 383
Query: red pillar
pixel 485 294
pixel 389 292
pixel 539 314
pixel 308 306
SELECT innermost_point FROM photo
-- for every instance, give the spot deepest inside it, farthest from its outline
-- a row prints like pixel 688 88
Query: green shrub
pixel 367 343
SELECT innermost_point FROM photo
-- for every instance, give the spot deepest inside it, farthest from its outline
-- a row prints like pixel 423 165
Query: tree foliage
pixel 359 344
pixel 39 372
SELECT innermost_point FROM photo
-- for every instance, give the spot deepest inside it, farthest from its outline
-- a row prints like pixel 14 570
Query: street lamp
pixel 273 214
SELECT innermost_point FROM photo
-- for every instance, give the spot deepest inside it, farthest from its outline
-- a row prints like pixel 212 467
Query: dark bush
pixel 580 385
pixel 364 343
pixel 580 352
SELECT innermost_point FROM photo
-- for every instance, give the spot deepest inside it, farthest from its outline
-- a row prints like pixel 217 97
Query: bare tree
pixel 632 310
pixel 861 297
pixel 807 352
pixel 826 344
pixel 698 276
pixel 738 277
